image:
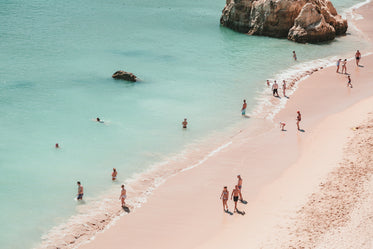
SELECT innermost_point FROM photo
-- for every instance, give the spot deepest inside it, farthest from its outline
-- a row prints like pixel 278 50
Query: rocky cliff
pixel 299 20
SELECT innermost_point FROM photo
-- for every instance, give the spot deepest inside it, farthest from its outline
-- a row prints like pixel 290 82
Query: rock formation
pixel 299 20
pixel 122 75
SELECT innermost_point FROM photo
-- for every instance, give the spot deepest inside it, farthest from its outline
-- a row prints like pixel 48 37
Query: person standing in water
pixel 299 118
pixel 294 56
pixel 268 84
pixel 123 196
pixel 243 110
pixel 349 84
pixel 357 57
pixel 239 185
pixel 57 146
pixel 338 64
pixel 235 194
pixel 184 123
pixel 114 174
pixel 224 196
pixel 275 89
pixel 284 88
pixel 80 191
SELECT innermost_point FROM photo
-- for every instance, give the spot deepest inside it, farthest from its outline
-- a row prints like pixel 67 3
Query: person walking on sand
pixel 338 64
pixel 349 81
pixel 268 83
pixel 224 196
pixel 185 123
pixel 357 57
pixel 235 194
pixel 239 184
pixel 275 89
pixel 284 88
pixel 344 66
pixel 114 174
pixel 282 126
pixel 123 195
pixel 294 56
pixel 243 110
pixel 299 118
pixel 80 191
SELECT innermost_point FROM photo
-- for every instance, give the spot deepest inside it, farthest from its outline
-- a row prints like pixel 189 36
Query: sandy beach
pixel 302 189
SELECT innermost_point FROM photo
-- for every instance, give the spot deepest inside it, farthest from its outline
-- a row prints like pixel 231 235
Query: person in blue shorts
pixel 80 191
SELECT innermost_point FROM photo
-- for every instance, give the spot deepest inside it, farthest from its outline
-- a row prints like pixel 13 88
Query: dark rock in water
pixel 299 20
pixel 122 75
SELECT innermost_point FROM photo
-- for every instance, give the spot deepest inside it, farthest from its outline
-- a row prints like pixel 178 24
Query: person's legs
pixel 298 124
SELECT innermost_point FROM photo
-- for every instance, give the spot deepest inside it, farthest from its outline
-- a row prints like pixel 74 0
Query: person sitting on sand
pixel 239 185
pixel 114 174
pixel 235 194
pixel 357 57
pixel 275 89
pixel 294 56
pixel 224 196
pixel 243 110
pixel 282 126
pixel 184 123
pixel 338 63
pixel 349 81
pixel 344 66
pixel 80 191
pixel 284 88
pixel 299 118
pixel 123 195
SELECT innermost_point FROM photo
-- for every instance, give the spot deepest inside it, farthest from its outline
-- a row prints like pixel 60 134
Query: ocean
pixel 56 62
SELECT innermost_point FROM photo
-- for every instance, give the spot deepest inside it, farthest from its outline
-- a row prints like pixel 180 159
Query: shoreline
pixel 111 224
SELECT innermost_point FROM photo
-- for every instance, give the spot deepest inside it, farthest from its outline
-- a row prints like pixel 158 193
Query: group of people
pixel 344 66
pixel 275 88
pixel 236 195
pixel 123 192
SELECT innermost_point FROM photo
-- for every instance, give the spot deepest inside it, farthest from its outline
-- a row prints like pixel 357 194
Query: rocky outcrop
pixel 298 20
pixel 122 75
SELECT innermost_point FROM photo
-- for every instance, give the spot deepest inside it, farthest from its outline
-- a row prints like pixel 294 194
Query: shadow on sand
pixel 126 209
pixel 301 130
pixel 240 212
pixel 244 202
pixel 228 212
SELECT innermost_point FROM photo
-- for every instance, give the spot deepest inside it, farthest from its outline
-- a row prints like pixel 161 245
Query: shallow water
pixel 56 63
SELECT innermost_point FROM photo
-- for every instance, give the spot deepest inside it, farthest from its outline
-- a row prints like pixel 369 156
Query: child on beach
pixel 224 196
pixel 338 63
pixel 349 81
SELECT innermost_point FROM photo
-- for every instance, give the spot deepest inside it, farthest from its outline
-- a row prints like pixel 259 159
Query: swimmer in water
pixel 185 123
pixel 294 56
pixel 99 120
pixel 123 195
pixel 80 191
pixel 57 146
pixel 114 174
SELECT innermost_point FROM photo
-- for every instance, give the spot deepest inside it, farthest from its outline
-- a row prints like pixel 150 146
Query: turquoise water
pixel 56 62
